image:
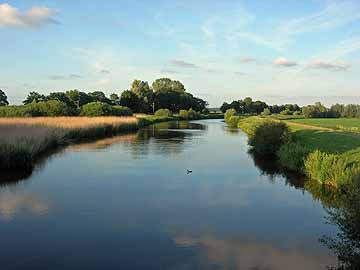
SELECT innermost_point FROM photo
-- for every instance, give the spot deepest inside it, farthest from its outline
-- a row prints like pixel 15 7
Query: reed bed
pixel 23 140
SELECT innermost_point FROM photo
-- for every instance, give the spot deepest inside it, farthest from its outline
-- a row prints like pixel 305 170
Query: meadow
pixel 344 124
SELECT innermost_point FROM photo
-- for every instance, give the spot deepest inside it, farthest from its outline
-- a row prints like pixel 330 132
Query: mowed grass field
pixel 336 136
pixel 346 124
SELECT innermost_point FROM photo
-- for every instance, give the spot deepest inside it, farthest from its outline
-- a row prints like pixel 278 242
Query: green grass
pixel 344 124
pixel 331 156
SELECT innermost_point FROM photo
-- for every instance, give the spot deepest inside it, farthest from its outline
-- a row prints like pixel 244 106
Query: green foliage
pixel 193 115
pixel 121 111
pixel 96 109
pixel 233 121
pixel 318 111
pixel 34 97
pixel 184 114
pixel 266 111
pixel 60 96
pixel 79 98
pixel 3 99
pixel 286 112
pixel 228 114
pixel 330 169
pixel 47 108
pixel 115 99
pixel 131 100
pixel 98 96
pixel 292 156
pixel 163 113
pixel 268 137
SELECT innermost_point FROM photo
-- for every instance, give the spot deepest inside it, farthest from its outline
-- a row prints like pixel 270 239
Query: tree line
pixel 249 106
pixel 164 93
pixel 317 110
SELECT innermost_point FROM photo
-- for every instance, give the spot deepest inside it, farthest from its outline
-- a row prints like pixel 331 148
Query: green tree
pixel 79 98
pixel 98 96
pixel 145 94
pixel 130 99
pixel 167 84
pixel 115 99
pixel 3 99
pixel 60 96
pixel 34 97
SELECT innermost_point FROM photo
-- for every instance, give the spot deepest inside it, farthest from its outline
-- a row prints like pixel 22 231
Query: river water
pixel 128 202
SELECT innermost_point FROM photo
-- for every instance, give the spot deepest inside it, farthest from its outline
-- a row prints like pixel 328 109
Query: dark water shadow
pixel 269 166
pixel 343 212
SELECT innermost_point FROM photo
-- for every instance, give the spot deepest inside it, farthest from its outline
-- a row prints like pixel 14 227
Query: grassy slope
pixel 323 138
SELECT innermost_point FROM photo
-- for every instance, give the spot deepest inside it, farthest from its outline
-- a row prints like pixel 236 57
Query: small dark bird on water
pixel 188 171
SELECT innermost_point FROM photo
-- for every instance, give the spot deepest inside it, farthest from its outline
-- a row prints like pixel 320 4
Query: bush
pixel 121 111
pixel 194 114
pixel 163 113
pixel 266 111
pixel 292 156
pixel 184 114
pixel 46 108
pixel 330 169
pixel 297 113
pixel 233 121
pixel 96 109
pixel 268 137
pixel 228 114
pixel 286 112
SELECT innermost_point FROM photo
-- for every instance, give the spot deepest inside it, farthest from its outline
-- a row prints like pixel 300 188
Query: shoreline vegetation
pixel 24 140
pixel 326 150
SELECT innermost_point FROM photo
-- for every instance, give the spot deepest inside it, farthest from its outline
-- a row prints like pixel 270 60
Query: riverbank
pixel 24 140
pixel 328 156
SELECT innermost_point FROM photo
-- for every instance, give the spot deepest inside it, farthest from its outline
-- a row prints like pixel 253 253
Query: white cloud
pixel 283 62
pixel 182 64
pixel 333 66
pixel 34 17
pixel 248 60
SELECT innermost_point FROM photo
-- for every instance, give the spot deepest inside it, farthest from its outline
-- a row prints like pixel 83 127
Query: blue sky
pixel 297 51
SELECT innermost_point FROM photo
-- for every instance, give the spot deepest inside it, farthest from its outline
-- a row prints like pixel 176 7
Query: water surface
pixel 128 203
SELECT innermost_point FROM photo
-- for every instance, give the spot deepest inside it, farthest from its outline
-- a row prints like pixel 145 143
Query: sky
pixel 278 51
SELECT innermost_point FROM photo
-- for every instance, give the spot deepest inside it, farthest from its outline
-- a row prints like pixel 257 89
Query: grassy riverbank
pixel 24 140
pixel 328 155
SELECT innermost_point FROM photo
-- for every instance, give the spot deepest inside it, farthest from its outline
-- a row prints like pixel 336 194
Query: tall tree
pixel 130 100
pixel 60 96
pixel 34 97
pixel 115 99
pixel 3 99
pixel 79 98
pixel 145 94
pixel 99 96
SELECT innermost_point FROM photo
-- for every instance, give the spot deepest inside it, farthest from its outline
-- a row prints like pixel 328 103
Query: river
pixel 129 202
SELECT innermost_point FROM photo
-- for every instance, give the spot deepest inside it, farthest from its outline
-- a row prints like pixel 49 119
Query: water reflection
pixel 249 253
pixel 269 166
pixel 11 202
pixel 343 211
pixel 127 203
